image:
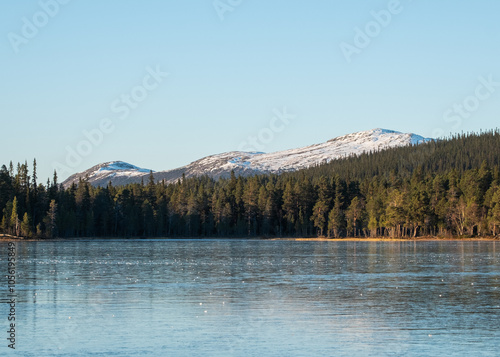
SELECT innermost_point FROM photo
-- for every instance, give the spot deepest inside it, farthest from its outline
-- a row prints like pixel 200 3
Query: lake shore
pixel 389 239
pixel 10 238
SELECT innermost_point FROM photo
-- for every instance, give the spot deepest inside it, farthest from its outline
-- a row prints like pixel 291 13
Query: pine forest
pixel 446 188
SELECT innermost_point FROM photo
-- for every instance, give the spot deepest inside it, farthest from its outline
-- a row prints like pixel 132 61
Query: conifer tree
pixel 319 216
pixel 26 230
pixel 14 218
pixel 51 220
pixel 355 214
pixel 336 221
pixel 494 215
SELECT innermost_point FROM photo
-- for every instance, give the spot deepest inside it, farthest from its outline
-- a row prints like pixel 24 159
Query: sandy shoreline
pixel 387 239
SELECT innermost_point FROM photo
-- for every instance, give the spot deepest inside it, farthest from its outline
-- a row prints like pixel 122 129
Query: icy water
pixel 253 298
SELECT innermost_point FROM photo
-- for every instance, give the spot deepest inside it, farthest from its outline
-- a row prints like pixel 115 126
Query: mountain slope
pixel 118 172
pixel 248 163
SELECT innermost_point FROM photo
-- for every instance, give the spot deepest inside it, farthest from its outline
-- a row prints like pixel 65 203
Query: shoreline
pixel 10 238
pixel 388 239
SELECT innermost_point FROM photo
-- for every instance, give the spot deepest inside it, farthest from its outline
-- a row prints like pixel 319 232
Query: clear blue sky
pixel 62 71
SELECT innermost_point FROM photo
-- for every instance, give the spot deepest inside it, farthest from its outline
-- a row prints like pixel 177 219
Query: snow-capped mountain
pixel 118 172
pixel 250 163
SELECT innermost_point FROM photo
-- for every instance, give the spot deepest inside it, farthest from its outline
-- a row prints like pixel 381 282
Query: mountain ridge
pixel 251 163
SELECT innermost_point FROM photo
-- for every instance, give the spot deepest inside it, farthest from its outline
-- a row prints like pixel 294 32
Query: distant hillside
pixel 447 188
pixel 253 163
pixel 459 152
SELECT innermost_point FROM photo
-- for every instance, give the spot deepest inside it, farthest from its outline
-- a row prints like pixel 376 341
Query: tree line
pixel 449 187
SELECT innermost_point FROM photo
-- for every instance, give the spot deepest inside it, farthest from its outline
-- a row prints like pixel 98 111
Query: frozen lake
pixel 253 298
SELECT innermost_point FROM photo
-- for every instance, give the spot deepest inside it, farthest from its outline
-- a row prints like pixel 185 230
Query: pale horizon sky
pixel 91 76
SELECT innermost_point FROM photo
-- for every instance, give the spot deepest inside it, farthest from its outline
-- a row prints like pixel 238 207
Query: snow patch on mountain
pixel 121 166
pixel 118 172
pixel 295 159
pixel 251 163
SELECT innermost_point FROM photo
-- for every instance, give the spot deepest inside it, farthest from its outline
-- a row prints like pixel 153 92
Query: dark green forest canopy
pixel 449 187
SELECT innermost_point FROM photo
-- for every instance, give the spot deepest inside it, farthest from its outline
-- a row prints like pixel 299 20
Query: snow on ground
pixel 258 162
pixel 294 159
pixel 119 168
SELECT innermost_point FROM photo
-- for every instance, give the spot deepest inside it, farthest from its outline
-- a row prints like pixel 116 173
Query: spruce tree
pixel 26 229
pixel 14 218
